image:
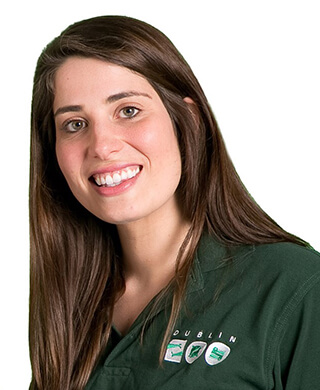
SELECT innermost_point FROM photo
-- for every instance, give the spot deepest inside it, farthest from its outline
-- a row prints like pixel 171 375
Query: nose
pixel 104 141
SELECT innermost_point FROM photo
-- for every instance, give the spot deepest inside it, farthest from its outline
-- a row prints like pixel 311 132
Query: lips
pixel 115 178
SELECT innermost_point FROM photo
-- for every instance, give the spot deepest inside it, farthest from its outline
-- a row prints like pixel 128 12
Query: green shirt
pixel 262 332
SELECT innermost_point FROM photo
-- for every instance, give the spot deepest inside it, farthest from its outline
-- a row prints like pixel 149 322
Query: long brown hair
pixel 76 269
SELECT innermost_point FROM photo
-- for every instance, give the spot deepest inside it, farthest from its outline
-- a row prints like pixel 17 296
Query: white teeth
pixel 130 173
pixel 116 178
pixel 124 175
pixel 111 180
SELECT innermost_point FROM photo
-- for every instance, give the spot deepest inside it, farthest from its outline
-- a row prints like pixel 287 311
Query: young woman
pixel 151 265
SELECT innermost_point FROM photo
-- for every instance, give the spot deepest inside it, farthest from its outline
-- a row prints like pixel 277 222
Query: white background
pixel 258 62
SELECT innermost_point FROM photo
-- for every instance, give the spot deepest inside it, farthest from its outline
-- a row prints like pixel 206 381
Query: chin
pixel 117 219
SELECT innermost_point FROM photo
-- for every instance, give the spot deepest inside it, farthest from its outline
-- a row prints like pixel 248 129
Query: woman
pixel 151 265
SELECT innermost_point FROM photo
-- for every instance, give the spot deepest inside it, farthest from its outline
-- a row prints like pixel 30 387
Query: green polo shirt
pixel 263 331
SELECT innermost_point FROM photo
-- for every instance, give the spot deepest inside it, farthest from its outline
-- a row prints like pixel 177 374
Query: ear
pixel 193 109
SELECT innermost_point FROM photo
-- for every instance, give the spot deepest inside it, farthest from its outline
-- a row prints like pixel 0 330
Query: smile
pixel 113 179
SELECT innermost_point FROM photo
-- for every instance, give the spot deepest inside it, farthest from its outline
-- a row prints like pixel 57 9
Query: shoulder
pixel 284 274
pixel 292 277
pixel 282 269
pixel 287 250
pixel 275 256
pixel 287 258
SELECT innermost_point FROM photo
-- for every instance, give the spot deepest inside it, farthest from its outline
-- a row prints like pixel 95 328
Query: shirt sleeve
pixel 297 358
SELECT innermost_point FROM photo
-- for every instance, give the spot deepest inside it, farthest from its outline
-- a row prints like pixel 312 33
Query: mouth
pixel 115 178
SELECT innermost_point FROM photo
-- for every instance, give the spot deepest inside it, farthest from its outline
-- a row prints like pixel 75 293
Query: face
pixel 115 142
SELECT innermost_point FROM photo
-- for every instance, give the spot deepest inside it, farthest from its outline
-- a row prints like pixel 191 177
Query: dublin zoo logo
pixel 215 353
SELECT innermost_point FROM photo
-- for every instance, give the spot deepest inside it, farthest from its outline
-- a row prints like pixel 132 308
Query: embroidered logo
pixel 212 352
pixel 216 353
pixel 194 351
pixel 175 350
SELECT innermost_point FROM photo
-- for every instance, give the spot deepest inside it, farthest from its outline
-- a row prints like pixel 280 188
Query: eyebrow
pixel 122 95
pixel 63 110
pixel 110 99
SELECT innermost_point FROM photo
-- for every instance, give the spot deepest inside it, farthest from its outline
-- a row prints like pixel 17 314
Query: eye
pixel 129 112
pixel 75 125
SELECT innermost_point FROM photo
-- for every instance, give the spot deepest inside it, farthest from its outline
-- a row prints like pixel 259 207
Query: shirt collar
pixel 212 255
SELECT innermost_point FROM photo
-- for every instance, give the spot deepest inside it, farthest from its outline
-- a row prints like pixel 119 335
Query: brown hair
pixel 75 257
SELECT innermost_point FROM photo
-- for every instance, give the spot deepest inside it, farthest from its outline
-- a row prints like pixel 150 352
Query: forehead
pixel 89 75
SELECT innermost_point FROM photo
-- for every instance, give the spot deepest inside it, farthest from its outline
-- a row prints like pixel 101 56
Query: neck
pixel 150 247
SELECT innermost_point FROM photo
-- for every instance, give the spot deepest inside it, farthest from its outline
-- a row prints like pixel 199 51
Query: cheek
pixel 157 139
pixel 67 160
pixel 162 150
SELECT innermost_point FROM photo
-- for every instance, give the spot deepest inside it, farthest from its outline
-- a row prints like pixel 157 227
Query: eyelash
pixel 66 126
pixel 70 122
pixel 136 112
